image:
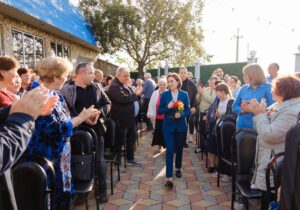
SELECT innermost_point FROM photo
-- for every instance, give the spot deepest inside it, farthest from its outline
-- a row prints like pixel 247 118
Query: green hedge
pixel 205 70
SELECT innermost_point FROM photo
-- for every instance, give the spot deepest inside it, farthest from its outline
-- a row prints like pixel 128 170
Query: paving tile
pixel 151 183
pixel 214 192
pixel 127 182
pixel 185 207
pixel 215 207
pixel 120 202
pixel 129 196
pixel 227 203
pixel 156 196
pixel 136 191
pixel 149 202
pixel 156 207
pixel 176 203
pixel 162 191
pixel 188 192
pixel 204 203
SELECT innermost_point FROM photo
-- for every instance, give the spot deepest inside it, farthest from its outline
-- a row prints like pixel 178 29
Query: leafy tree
pixel 148 30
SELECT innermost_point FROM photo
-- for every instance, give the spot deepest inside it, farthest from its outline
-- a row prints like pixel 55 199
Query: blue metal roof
pixel 60 14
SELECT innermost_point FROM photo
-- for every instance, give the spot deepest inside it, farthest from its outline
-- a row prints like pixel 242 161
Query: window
pixel 27 48
pixel 60 50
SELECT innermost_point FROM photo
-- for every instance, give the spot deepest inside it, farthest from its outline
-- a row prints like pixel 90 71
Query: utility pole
pixel 237 37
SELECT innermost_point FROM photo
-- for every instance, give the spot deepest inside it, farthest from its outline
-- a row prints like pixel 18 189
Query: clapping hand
pixel 171 104
pixel 257 108
pixel 90 115
pixel 34 102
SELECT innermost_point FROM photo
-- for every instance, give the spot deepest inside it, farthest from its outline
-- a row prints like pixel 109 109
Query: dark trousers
pixel 145 107
pixel 173 140
pixel 192 121
pixel 102 168
pixel 125 136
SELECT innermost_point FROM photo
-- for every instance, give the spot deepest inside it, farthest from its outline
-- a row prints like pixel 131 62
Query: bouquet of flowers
pixel 178 106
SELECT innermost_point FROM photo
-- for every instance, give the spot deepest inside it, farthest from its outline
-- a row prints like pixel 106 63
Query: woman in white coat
pixel 156 118
pixel 273 126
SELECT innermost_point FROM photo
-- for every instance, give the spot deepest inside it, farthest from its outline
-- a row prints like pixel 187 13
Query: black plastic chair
pixel 274 173
pixel 243 151
pixel 290 183
pixel 35 191
pixel 111 157
pixel 83 173
pixel 225 133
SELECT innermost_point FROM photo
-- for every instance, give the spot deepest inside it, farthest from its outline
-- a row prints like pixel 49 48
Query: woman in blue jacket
pixel 174 103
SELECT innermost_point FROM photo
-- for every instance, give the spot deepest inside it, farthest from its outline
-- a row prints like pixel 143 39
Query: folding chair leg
pixel 111 178
pixel 97 199
pixel 118 166
pixel 86 204
pixel 218 179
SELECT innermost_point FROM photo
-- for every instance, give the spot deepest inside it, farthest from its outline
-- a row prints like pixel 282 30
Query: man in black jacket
pixel 123 113
pixel 191 89
pixel 84 93
pixel 17 124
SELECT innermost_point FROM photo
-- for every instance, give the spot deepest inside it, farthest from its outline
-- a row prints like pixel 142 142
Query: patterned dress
pixel 51 140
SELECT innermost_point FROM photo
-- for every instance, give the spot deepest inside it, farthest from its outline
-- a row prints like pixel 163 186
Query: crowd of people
pixel 40 110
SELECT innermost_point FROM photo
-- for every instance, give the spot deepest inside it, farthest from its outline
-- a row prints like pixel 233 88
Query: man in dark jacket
pixel 83 94
pixel 190 87
pixel 17 125
pixel 122 112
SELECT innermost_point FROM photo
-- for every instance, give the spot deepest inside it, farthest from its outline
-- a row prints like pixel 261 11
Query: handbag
pixel 82 167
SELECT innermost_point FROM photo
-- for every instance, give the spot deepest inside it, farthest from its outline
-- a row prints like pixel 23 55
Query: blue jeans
pixel 174 140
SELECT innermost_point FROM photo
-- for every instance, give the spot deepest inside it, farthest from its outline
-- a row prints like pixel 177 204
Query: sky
pixel 270 27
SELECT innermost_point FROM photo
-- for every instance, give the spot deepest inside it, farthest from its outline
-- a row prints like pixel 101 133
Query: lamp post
pixel 252 58
pixel 158 70
pixel 166 68
pixel 297 60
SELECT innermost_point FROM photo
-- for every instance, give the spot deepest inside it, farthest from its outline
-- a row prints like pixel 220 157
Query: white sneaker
pixel 190 139
pixel 239 206
pixel 215 175
pixel 225 178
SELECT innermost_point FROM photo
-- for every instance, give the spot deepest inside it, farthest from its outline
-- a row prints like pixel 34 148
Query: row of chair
pixel 38 190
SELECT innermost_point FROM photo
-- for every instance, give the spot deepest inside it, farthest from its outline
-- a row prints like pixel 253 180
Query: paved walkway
pixel 143 188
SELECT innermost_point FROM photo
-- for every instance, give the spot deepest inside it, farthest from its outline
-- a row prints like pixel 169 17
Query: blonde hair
pixel 255 74
pixel 49 68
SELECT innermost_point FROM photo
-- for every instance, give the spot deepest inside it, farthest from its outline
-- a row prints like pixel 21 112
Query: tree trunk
pixel 141 66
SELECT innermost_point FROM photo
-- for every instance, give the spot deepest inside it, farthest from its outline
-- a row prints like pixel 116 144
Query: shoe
pixel 225 178
pixel 185 145
pixel 198 150
pixel 121 167
pixel 190 139
pixel 178 174
pixel 210 170
pixel 239 206
pixel 169 184
pixel 134 163
pixel 149 129
pixel 103 199
pixel 215 175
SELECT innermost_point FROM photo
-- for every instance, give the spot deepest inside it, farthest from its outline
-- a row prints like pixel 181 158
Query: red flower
pixel 175 104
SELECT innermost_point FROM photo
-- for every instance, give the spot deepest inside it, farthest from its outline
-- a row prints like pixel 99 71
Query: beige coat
pixel 271 131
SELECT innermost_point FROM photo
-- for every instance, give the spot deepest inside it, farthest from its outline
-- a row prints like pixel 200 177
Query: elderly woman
pixel 273 126
pixel 52 132
pixel 255 88
pixel 8 79
pixel 174 124
pixel 156 118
